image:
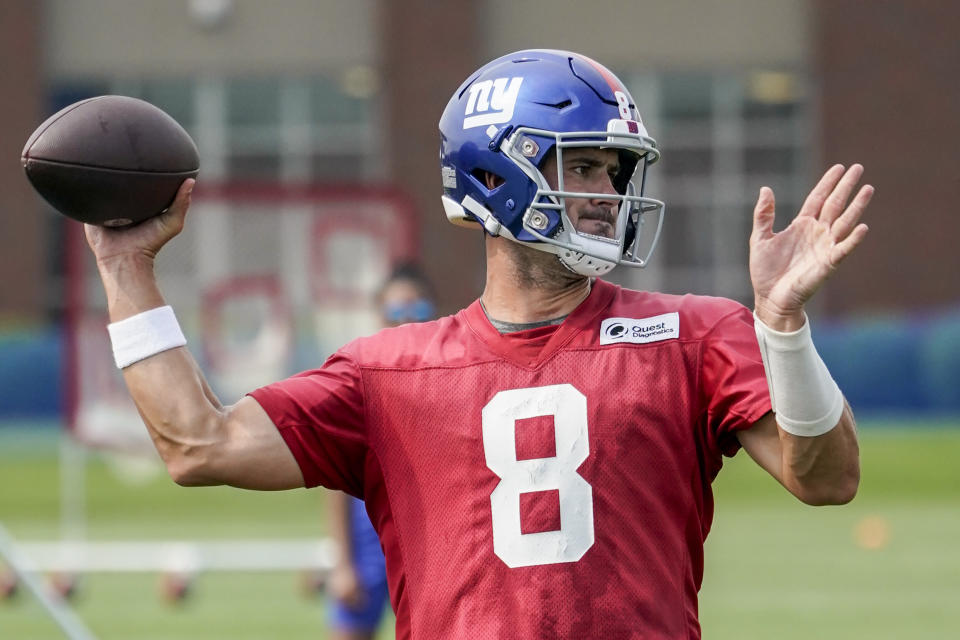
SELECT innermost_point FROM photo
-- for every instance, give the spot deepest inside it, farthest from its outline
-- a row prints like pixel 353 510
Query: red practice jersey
pixel 551 483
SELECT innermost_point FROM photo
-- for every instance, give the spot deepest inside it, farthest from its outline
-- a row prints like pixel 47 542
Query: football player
pixel 538 465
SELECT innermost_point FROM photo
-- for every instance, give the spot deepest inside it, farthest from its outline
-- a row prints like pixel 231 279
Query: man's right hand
pixel 344 585
pixel 143 241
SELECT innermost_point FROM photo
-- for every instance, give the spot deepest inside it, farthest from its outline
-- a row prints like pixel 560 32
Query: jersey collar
pixel 527 348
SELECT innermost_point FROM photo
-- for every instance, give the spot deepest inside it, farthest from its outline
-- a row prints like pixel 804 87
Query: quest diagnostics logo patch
pixel 640 330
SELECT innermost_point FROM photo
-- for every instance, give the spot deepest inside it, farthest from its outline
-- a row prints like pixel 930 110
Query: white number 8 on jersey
pixel 569 410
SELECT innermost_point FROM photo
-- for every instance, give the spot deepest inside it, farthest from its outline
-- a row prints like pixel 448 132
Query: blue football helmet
pixel 507 117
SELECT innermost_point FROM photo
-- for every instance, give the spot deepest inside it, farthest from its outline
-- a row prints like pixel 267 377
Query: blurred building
pixel 738 94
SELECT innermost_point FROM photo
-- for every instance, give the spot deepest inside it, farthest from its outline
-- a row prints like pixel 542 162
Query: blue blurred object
pixel 419 310
pixel 876 363
pixel 895 364
pixel 31 375
pixel 940 355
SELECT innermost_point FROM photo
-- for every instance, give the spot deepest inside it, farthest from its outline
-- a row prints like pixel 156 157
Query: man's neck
pixel 525 285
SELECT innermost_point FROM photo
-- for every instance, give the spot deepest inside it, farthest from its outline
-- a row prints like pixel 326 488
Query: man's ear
pixel 492 180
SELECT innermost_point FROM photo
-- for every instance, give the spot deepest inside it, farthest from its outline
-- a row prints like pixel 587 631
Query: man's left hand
pixel 787 268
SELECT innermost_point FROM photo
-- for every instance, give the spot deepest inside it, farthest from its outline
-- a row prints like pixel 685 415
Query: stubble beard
pixel 534 269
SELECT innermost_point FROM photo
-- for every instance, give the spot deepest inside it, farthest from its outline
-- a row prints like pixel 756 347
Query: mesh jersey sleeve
pixel 734 385
pixel 320 413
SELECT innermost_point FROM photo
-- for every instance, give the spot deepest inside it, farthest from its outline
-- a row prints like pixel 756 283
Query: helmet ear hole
pixel 487 178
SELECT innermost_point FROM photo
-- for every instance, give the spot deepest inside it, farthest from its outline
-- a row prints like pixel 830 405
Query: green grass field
pixel 885 566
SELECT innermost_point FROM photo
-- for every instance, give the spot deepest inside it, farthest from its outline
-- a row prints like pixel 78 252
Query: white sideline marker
pixel 178 555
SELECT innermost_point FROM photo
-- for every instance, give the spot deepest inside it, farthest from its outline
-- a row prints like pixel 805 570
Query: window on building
pixel 290 129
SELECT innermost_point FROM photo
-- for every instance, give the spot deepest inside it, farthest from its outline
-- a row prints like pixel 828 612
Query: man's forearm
pixel 820 458
pixel 177 405
pixel 824 469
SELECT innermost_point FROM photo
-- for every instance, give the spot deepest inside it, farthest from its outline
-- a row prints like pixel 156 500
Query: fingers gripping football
pixel 145 239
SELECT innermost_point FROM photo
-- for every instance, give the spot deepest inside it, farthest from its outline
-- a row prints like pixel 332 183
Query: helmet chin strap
pixel 581 262
pixel 584 265
pixel 573 261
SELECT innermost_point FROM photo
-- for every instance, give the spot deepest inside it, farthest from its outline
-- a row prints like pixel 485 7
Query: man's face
pixel 402 301
pixel 588 170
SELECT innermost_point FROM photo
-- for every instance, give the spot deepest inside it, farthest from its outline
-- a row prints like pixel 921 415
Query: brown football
pixel 110 160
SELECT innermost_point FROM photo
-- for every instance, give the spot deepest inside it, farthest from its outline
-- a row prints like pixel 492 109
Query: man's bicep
pixel 762 442
pixel 258 456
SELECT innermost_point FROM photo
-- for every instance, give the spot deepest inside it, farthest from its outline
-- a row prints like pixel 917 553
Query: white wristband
pixel 803 394
pixel 144 335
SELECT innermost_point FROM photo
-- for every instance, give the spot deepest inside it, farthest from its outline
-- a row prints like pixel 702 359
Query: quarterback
pixel 538 465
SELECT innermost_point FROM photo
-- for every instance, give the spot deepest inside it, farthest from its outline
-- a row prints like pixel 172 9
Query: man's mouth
pixel 597 223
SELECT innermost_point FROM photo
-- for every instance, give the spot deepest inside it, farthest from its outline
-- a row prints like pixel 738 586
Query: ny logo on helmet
pixel 493 101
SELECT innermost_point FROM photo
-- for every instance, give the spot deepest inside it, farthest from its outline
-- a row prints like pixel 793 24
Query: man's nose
pixel 604 185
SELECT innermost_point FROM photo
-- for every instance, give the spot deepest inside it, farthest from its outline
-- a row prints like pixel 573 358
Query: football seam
pixel 111 169
pixel 67 110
